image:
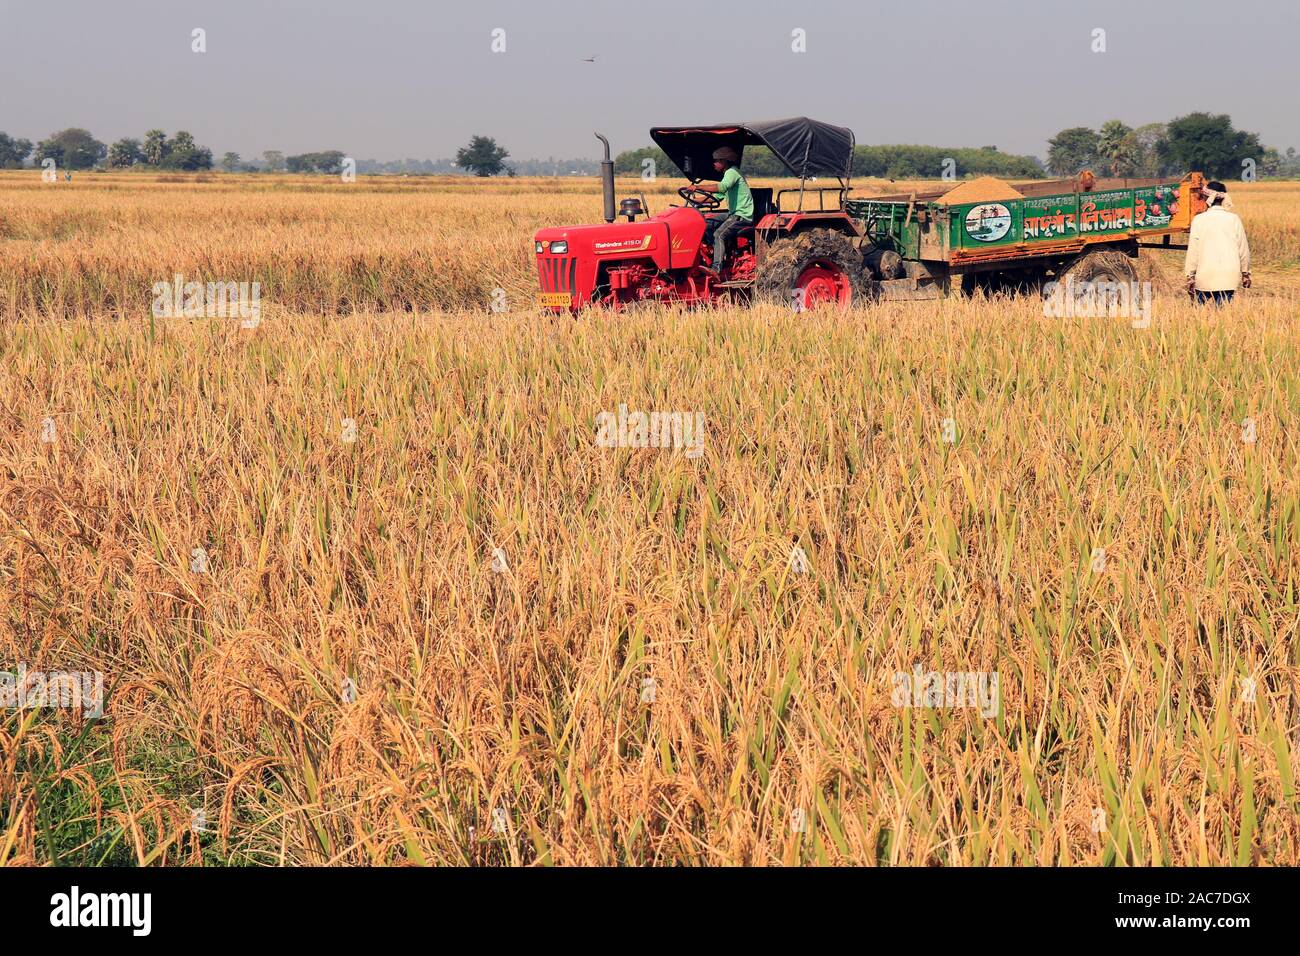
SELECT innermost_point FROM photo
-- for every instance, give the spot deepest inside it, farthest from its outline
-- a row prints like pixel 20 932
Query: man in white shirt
pixel 1218 257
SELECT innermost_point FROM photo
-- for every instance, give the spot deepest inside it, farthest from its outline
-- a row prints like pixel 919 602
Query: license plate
pixel 552 299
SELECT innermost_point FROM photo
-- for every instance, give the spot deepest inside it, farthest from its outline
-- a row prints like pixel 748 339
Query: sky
pixel 391 79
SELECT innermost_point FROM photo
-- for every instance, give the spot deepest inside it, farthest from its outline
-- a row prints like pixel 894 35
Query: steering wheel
pixel 698 198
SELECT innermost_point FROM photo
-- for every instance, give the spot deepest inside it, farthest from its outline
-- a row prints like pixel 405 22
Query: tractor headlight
pixel 560 247
pixel 538 245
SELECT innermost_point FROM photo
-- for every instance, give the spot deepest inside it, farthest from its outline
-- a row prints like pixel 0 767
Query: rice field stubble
pixel 356 676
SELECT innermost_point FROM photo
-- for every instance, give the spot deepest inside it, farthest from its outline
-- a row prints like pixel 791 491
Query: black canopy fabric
pixel 806 147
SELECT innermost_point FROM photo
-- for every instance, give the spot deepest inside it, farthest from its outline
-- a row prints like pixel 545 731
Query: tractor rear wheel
pixel 820 267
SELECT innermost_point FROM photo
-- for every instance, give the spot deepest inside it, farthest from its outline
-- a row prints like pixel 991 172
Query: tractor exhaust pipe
pixel 607 180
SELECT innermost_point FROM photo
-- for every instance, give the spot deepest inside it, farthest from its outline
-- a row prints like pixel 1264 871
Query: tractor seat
pixel 744 238
pixel 762 202
pixel 762 206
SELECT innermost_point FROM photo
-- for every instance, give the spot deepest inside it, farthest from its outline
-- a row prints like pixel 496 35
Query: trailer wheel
pixel 817 268
pixel 1094 274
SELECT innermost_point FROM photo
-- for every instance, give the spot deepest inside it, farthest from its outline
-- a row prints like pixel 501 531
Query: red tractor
pixel 798 257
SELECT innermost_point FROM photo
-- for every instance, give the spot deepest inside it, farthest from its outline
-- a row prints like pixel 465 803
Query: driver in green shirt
pixel 732 187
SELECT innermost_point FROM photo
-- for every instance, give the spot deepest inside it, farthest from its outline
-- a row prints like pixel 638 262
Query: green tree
pixel 1270 164
pixel 125 152
pixel 1116 149
pixel 629 162
pixel 230 162
pixel 190 160
pixel 274 160
pixel 1290 163
pixel 155 147
pixel 908 164
pixel 13 152
pixel 330 161
pixel 71 149
pixel 482 157
pixel 1145 146
pixel 1208 143
pixel 756 161
pixel 1072 150
pixel 184 153
pixel 930 162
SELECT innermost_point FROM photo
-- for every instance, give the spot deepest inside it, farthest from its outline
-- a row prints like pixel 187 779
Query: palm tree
pixel 1116 148
pixel 155 147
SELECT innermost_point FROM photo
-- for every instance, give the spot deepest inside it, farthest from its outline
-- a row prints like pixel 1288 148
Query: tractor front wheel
pixel 817 268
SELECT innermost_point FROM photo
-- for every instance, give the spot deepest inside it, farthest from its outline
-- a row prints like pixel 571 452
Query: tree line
pixel 77 149
pixel 1200 141
pixel 891 162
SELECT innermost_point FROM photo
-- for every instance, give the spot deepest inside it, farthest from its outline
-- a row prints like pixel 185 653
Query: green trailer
pixel 920 246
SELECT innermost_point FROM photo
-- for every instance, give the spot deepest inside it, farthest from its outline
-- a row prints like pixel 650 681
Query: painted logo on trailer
pixel 988 222
pixel 637 244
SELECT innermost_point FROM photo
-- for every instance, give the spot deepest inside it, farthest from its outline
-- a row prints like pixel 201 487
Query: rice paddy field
pixel 364 589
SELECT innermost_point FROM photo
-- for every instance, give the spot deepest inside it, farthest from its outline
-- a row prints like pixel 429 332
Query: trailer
pixel 917 246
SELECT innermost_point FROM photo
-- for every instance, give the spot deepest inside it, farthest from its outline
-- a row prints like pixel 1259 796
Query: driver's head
pixel 725 157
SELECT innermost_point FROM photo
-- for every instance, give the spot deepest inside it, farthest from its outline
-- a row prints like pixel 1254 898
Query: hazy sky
pixel 389 79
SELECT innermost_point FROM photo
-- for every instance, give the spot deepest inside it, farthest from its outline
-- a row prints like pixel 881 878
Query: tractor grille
pixel 556 273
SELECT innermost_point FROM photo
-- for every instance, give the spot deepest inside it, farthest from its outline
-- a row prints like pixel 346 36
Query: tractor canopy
pixel 806 147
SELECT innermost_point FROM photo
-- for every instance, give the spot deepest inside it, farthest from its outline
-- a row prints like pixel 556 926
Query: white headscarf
pixel 1213 194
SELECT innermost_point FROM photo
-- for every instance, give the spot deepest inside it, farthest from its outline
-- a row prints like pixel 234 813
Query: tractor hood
pixel 806 147
pixel 609 238
pixel 573 258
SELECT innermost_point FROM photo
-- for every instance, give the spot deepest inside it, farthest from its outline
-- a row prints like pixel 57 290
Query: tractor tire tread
pixel 787 258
